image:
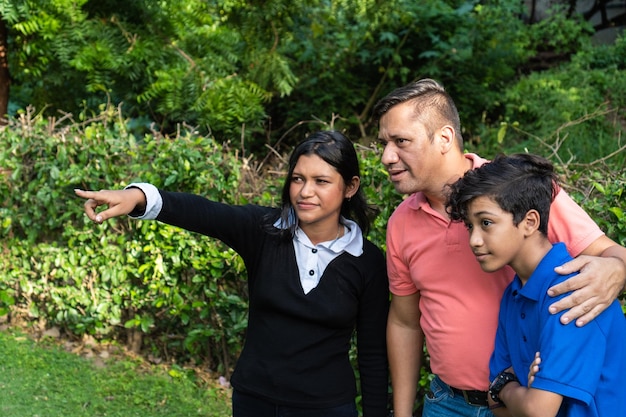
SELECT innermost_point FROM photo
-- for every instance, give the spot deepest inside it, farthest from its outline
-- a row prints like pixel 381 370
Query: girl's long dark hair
pixel 336 150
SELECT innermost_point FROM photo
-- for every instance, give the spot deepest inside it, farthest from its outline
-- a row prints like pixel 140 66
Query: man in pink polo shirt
pixel 441 296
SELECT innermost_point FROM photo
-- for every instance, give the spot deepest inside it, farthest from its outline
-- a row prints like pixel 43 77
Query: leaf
pixel 502 132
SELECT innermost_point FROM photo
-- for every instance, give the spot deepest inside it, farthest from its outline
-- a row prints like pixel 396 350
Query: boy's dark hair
pixel 518 183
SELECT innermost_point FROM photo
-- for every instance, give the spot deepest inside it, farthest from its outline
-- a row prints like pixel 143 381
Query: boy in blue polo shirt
pixel 505 205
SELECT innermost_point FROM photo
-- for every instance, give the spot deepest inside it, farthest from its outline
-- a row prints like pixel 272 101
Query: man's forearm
pixel 619 252
pixel 404 348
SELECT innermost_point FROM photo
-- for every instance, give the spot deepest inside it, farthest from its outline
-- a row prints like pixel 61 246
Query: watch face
pixel 498 383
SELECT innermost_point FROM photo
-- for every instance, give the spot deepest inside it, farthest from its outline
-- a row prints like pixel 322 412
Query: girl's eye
pixel 296 179
pixel 486 223
pixel 468 226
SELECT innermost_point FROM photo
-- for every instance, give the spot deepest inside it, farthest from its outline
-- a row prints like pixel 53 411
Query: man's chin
pixel 402 188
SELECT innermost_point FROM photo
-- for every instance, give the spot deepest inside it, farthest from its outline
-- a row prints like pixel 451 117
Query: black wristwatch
pixel 498 383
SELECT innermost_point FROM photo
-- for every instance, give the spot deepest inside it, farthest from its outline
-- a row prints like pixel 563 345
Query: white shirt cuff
pixel 154 202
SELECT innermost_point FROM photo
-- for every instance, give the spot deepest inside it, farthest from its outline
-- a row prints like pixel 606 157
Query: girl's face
pixel 316 192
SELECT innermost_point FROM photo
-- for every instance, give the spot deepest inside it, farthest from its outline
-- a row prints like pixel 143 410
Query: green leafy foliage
pixel 185 290
pixel 574 113
pixel 603 195
pixel 257 70
pixel 171 61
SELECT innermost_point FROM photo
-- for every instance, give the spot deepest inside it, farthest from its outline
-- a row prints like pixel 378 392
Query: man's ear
pixel 447 138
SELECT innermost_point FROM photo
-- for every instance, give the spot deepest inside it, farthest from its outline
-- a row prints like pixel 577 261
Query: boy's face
pixel 494 239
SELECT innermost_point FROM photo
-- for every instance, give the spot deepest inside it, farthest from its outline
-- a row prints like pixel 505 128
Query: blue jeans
pixel 245 405
pixel 441 401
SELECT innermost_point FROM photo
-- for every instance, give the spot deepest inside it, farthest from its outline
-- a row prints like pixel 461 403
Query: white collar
pixel 351 241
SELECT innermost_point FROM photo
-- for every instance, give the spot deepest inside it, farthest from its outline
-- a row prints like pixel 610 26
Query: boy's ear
pixel 531 222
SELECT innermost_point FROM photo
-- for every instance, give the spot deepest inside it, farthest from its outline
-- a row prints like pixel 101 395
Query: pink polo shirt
pixel 459 302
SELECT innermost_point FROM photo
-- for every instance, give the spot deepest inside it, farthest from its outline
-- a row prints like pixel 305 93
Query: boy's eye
pixel 468 226
pixel 485 223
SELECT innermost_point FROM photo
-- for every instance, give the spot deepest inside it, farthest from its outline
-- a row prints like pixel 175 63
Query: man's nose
pixel 390 156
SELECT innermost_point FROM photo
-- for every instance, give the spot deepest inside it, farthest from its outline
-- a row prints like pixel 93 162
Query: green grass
pixel 43 380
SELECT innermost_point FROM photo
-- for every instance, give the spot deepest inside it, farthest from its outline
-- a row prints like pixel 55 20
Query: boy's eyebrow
pixel 482 213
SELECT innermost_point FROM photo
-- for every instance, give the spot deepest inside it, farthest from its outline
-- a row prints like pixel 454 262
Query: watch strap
pixel 498 383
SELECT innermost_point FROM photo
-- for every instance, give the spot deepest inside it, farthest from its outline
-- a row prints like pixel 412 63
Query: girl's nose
pixel 306 190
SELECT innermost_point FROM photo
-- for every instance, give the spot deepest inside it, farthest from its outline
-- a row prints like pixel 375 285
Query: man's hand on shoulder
pixel 600 280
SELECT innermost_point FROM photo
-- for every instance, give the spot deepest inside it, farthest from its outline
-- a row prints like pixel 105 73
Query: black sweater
pixel 297 344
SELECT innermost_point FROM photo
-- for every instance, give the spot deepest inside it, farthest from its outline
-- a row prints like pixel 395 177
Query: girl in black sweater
pixel 313 280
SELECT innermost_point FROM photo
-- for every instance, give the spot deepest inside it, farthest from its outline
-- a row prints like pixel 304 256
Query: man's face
pixel 411 154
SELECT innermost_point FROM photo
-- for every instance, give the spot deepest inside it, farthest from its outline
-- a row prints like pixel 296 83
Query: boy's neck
pixel 535 248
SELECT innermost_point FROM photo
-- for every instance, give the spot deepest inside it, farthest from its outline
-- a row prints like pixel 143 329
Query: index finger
pixel 572 266
pixel 85 193
pixel 571 284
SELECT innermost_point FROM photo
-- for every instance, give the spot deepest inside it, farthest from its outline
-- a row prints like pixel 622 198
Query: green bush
pixel 122 279
pixel 602 193
pixel 573 113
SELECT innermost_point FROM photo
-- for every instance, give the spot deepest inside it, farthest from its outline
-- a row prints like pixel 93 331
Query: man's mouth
pixel 395 172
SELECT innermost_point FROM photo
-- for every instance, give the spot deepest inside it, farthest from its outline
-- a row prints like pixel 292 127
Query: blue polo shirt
pixel 586 365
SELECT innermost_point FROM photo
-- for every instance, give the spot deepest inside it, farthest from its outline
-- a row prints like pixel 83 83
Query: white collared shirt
pixel 313 259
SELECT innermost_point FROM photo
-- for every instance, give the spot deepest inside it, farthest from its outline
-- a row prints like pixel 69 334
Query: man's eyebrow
pixel 392 137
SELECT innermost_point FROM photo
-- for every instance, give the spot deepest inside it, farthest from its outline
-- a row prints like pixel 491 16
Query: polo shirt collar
pixel 418 200
pixel 536 285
